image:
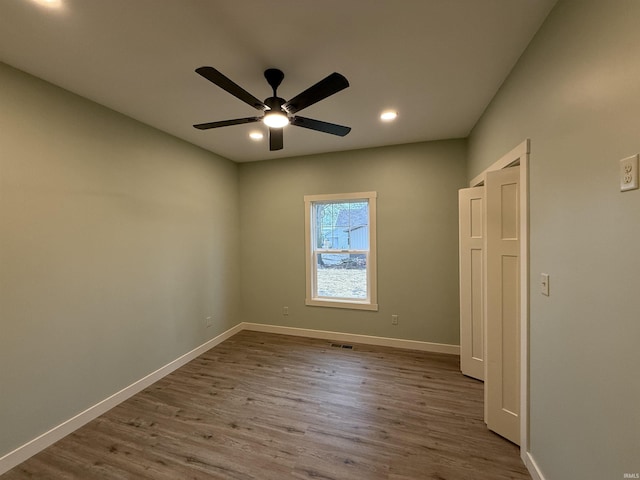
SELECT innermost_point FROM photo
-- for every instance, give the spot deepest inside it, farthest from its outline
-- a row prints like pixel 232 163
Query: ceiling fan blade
pixel 320 126
pixel 234 89
pixel 275 139
pixel 226 123
pixel 321 90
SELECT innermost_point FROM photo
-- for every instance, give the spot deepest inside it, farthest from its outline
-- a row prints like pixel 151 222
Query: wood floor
pixel 264 406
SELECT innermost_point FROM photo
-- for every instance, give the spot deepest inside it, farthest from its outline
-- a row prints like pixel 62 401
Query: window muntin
pixel 340 246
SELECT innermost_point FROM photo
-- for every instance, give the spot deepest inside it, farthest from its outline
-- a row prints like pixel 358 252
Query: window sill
pixel 341 304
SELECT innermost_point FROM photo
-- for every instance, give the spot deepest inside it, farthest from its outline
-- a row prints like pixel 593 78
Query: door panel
pixel 503 303
pixel 509 210
pixel 477 308
pixel 472 275
pixel 510 337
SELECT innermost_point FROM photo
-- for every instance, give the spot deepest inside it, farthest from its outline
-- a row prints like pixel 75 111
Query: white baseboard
pixel 22 453
pixel 532 466
pixel 355 338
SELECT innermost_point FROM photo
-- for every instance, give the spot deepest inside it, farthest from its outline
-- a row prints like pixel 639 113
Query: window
pixel 341 250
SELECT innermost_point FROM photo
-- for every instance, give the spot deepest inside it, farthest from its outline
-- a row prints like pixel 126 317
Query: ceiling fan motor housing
pixel 274 78
pixel 275 104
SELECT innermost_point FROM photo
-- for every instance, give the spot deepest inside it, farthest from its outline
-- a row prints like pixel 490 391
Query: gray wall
pixel 576 93
pixel 116 240
pixel 417 238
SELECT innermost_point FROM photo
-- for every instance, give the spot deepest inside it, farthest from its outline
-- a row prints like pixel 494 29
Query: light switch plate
pixel 629 173
pixel 544 284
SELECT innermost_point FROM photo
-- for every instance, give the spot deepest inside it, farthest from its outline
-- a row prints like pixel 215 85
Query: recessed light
pixel 388 115
pixel 256 135
pixel 49 3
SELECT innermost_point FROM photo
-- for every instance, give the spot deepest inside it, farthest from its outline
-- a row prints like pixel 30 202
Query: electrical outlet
pixel 209 322
pixel 394 319
pixel 285 311
pixel 629 173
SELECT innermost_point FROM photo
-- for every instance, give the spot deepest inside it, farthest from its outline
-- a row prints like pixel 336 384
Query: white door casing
pixel 472 275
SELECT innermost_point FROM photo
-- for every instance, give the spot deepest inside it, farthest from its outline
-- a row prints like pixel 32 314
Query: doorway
pixel 494 286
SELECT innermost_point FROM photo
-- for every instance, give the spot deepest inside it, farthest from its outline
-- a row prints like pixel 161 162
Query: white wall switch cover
pixel 629 173
pixel 544 284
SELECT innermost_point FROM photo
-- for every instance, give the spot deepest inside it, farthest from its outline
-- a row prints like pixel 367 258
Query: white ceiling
pixel 438 62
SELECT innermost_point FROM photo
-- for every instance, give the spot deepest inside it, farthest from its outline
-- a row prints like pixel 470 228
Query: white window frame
pixel 371 302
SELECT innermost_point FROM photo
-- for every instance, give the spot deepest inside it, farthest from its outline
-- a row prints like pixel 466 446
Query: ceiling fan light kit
pixel 275 120
pixel 279 112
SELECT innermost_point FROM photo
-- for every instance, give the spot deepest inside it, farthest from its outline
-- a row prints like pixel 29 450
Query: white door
pixel 471 233
pixel 502 380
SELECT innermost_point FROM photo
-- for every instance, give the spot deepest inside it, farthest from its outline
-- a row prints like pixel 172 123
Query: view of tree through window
pixel 341 231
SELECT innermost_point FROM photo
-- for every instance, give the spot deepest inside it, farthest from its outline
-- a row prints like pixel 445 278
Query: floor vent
pixel 340 345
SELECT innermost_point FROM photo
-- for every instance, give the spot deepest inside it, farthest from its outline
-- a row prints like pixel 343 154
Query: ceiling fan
pixel 277 111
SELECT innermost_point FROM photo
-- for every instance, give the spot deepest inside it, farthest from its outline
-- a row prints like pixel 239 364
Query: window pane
pixel 342 276
pixel 342 226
